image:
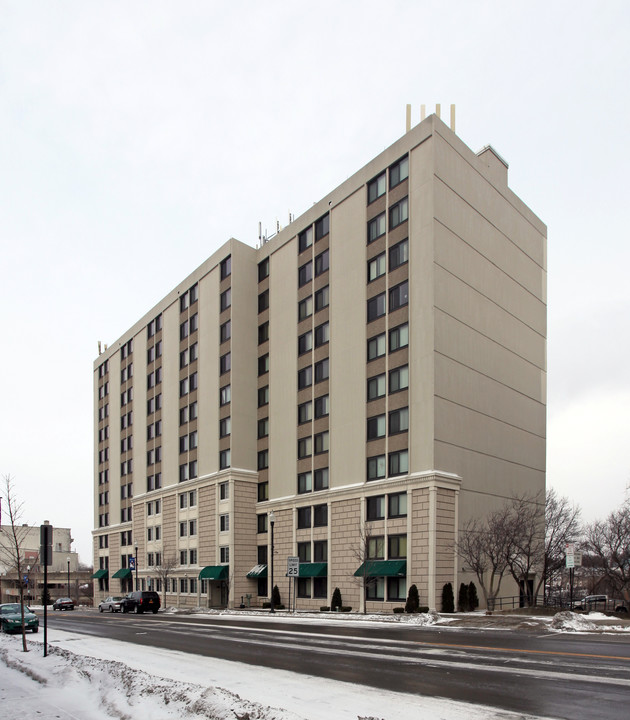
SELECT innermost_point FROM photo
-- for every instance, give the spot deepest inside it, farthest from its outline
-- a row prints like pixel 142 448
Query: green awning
pixel 382 568
pixel 258 571
pixel 122 573
pixel 99 574
pixel 215 572
pixel 311 570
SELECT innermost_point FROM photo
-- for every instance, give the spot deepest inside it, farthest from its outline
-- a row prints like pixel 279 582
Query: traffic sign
pixel 293 566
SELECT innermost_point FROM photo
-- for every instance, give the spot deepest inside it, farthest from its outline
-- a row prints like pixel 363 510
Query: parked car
pixel 141 601
pixel 111 604
pixel 11 618
pixel 592 602
pixel 64 603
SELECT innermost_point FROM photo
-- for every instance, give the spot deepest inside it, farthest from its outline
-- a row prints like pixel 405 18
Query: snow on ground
pixel 91 678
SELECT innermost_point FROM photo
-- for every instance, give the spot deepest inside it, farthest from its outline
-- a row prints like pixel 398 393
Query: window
pixel 305 412
pixel 183 302
pixel 305 239
pixel 305 343
pixel 304 482
pixel 183 444
pixel 305 377
pixel 224 491
pixel 183 387
pixel 263 269
pixel 225 363
pixel 376 228
pixel 192 527
pixel 304 552
pixel 376 548
pixel 398 421
pixel 263 459
pixel 376 467
pixel 398 337
pixel 263 333
pixel 194 293
pixel 322 406
pixel 305 447
pixel 322 298
pixel 263 396
pixel 376 307
pixel 304 518
pixel 398 254
pixel 263 427
pixel 399 172
pixel 263 491
pixel 396 588
pixel 376 387
pixel 376 267
pixel 224 522
pixel 322 370
pixel 399 296
pixel 194 323
pixel 225 426
pixel 182 529
pixel 398 213
pixel 263 364
pixel 321 442
pixel 226 267
pixel 376 188
pixel 322 334
pixel 225 299
pixel 305 273
pixel 321 479
pixel 397 547
pixel 183 501
pixel 320 515
pixel 320 551
pixel 399 379
pixel 262 523
pixel 376 347
pixel 376 507
pixel 263 301
pixel 322 263
pixel 224 554
pixel 304 587
pixel 224 459
pixel 225 395
pixel 305 308
pixel 225 331
pixel 376 427
pixel 397 505
pixel 398 462
pixel 322 227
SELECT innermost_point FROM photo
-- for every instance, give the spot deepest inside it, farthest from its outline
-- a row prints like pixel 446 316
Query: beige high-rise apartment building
pixel 373 375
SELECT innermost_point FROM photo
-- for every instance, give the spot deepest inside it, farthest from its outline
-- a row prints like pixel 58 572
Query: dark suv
pixel 141 601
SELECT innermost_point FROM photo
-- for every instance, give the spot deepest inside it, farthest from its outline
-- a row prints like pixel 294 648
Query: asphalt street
pixel 560 675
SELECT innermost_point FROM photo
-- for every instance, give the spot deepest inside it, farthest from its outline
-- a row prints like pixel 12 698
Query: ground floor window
pixel 204 587
pixel 304 587
pixel 376 589
pixel 320 587
pixel 396 588
pixel 262 587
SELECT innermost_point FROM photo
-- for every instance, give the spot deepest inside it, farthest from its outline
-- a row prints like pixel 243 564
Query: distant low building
pixel 65 578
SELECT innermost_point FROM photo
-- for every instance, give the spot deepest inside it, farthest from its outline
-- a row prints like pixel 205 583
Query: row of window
pixel 316 444
pixel 103 369
pixel 188 355
pixel 321 335
pixel 321 405
pixel 187 528
pixel 154 352
pixel 126 373
pixel 305 307
pixel 154 326
pixel 398 380
pixel 398 214
pixel 321 371
pixel 398 172
pixel 309 481
pixel 322 228
pixel 189 326
pixel 398 297
pixel 398 255
pixel 398 422
pixel 188 298
pixel 398 338
pixel 396 463
pixel 321 265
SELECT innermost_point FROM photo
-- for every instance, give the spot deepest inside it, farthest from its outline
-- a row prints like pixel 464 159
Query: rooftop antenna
pixel 408 120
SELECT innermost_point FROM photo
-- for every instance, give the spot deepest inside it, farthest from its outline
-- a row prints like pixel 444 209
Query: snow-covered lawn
pixel 90 678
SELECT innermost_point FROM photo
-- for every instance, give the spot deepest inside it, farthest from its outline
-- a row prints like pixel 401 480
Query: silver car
pixel 111 604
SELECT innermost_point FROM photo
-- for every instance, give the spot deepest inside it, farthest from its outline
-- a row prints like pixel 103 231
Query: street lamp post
pixel 272 520
pixel 136 563
pixel 68 561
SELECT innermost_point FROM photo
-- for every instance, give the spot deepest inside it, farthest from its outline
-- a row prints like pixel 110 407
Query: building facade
pixel 374 374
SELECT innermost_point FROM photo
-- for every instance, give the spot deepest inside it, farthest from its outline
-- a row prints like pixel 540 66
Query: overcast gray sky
pixel 137 137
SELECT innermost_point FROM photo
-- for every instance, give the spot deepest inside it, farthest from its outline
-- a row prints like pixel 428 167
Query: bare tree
pixel 484 547
pixel 13 536
pixel 366 551
pixel 562 526
pixel 164 571
pixel 609 541
pixel 525 526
